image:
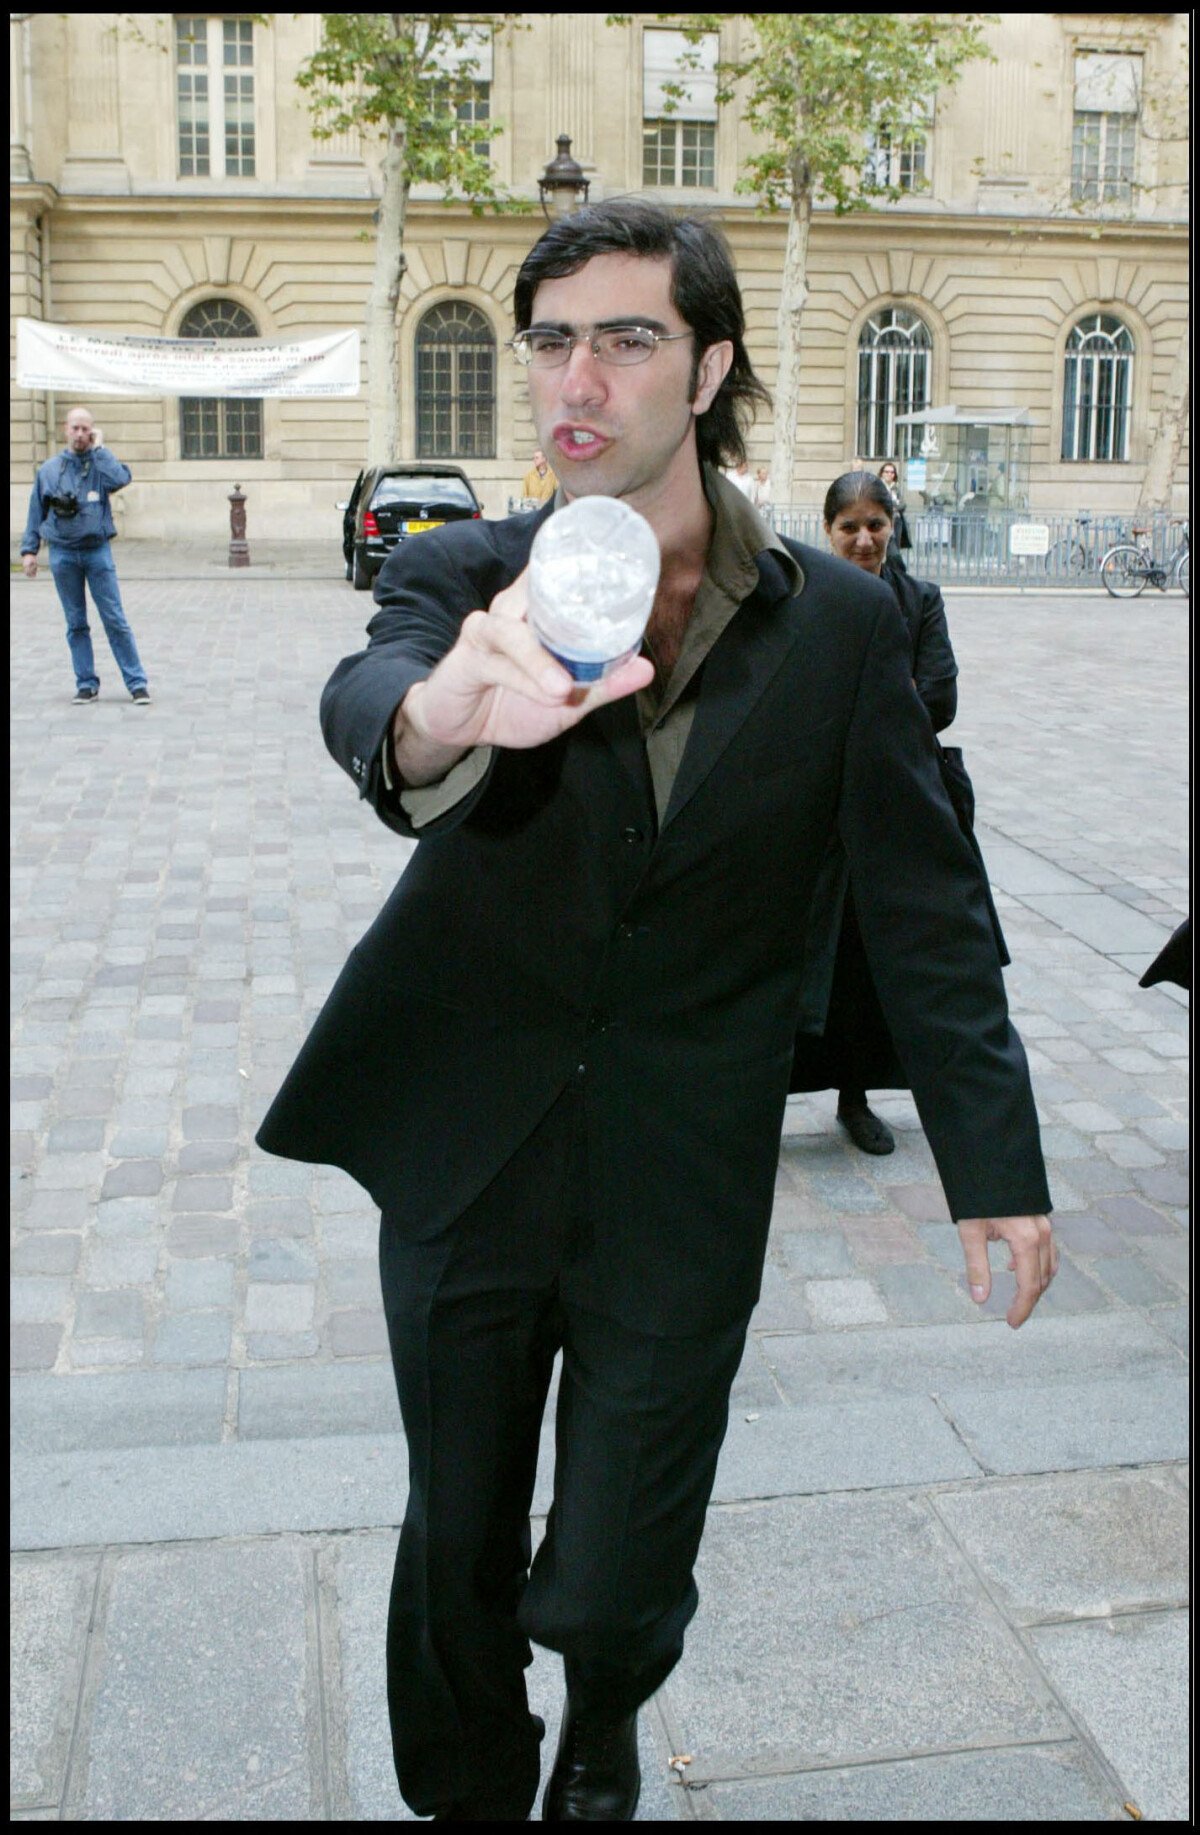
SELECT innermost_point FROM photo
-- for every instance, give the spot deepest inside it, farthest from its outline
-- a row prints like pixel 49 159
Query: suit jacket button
pixel 632 836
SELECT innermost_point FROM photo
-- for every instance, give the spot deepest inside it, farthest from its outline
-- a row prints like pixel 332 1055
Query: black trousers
pixel 475 1319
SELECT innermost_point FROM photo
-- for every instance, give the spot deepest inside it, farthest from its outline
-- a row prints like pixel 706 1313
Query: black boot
pixel 866 1130
pixel 596 1777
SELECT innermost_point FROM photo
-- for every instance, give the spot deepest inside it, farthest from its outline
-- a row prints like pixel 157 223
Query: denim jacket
pixel 95 471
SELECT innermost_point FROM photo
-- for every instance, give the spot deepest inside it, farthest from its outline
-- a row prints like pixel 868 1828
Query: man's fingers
pixel 515 659
pixel 637 673
pixel 1030 1283
pixel 973 1235
pixel 1032 1256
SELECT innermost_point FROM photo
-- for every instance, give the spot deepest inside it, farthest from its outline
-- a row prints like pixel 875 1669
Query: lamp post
pixel 562 186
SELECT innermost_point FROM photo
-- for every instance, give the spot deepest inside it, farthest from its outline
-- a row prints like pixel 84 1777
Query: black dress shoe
pixel 865 1129
pixel 596 1777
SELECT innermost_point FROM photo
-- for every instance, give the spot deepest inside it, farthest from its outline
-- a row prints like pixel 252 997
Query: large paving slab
pixel 833 1630
pixel 50 1602
pixel 200 1703
pixel 855 1446
pixel 1048 1783
pixel 930 1359
pixel 1126 1680
pixel 192 1493
pixel 1065 1426
pixel 1076 1544
pixel 160 1408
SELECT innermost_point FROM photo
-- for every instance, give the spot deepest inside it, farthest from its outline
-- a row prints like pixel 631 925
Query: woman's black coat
pixel 855 1050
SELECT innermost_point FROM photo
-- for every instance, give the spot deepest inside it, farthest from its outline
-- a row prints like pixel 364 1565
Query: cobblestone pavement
pixel 204 1410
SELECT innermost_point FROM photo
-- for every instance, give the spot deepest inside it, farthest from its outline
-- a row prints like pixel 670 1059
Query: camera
pixel 65 504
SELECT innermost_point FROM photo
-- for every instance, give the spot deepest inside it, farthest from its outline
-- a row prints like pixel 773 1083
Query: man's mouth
pixel 579 442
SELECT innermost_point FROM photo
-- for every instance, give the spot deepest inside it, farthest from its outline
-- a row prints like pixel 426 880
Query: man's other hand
pixel 29 563
pixel 1032 1257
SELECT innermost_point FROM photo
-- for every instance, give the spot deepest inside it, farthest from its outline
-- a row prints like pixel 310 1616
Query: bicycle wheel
pixel 1183 574
pixel 1124 572
pixel 1066 560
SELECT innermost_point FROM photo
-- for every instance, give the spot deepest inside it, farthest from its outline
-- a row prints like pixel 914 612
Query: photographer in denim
pixel 69 509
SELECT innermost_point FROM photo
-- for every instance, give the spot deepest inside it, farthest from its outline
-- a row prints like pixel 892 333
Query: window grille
pixel 679 153
pixel 456 384
pixel 221 428
pixel 894 355
pixel 1104 138
pixel 679 109
pixel 896 162
pixel 1098 390
pixel 473 107
pixel 218 113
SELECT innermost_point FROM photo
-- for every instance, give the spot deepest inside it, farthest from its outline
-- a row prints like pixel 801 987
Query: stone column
pixel 20 108
pixel 570 86
pixel 94 160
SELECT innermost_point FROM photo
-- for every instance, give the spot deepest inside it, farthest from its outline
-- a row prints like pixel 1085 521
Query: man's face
pixel 614 431
pixel 539 460
pixel 79 430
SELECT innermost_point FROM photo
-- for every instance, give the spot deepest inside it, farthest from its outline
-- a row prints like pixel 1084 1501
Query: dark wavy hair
pixel 704 291
pixel 851 487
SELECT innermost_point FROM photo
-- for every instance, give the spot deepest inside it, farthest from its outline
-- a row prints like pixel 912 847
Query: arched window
pixel 225 428
pixel 456 384
pixel 1098 389
pixel 894 353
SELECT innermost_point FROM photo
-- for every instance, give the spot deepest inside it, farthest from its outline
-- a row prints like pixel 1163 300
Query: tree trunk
pixel 793 296
pixel 383 355
pixel 1162 464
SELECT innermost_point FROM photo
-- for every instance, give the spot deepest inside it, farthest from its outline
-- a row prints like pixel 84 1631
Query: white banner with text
pixel 61 357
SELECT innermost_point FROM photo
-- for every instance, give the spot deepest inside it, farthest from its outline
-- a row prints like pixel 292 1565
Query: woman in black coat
pixel 855 1053
pixel 900 535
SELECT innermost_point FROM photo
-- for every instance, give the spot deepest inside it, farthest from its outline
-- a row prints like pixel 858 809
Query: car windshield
pixel 419 487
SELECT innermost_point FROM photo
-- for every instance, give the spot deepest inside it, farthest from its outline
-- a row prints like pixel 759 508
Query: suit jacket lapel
pixel 738 668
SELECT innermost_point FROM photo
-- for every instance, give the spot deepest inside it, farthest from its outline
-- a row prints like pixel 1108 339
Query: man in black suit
pixel 559 1058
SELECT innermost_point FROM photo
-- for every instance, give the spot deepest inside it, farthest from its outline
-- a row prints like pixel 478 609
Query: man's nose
pixel 583 373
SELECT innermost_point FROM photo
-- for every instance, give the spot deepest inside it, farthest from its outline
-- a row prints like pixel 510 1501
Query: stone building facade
pixel 165 178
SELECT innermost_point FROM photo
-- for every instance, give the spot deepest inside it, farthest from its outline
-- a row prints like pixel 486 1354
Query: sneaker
pixel 141 697
pixel 83 696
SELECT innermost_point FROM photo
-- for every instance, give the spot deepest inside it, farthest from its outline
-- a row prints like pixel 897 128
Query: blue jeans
pixel 71 567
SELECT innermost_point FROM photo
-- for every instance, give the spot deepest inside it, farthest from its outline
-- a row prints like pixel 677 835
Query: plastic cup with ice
pixel 593 573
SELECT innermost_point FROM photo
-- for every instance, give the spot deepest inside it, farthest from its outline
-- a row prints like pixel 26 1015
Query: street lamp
pixel 562 186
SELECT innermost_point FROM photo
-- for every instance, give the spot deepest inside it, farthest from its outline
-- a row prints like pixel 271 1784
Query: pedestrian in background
pixel 900 535
pixel 739 476
pixel 539 483
pixel 855 1052
pixel 69 510
pixel 760 490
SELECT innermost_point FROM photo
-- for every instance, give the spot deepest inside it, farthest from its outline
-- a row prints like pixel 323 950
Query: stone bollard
pixel 239 552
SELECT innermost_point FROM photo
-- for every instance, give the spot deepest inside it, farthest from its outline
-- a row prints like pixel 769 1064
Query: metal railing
pixel 975 547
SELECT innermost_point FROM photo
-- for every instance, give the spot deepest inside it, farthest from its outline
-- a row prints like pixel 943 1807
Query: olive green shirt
pixel 730 576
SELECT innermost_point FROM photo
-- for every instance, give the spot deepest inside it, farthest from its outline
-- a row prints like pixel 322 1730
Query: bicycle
pixel 1130 568
pixel 1075 554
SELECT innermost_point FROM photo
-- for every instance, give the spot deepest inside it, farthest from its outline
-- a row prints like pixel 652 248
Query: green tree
pixel 821 90
pixel 403 77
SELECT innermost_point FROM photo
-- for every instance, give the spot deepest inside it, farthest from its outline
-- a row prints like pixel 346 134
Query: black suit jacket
pixel 547 929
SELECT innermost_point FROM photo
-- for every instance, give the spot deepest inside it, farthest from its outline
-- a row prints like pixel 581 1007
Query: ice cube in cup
pixel 593 574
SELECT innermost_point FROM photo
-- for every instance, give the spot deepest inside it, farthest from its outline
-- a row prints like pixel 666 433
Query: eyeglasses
pixel 621 345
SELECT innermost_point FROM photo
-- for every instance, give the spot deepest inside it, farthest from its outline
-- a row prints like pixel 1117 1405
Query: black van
pixel 391 502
